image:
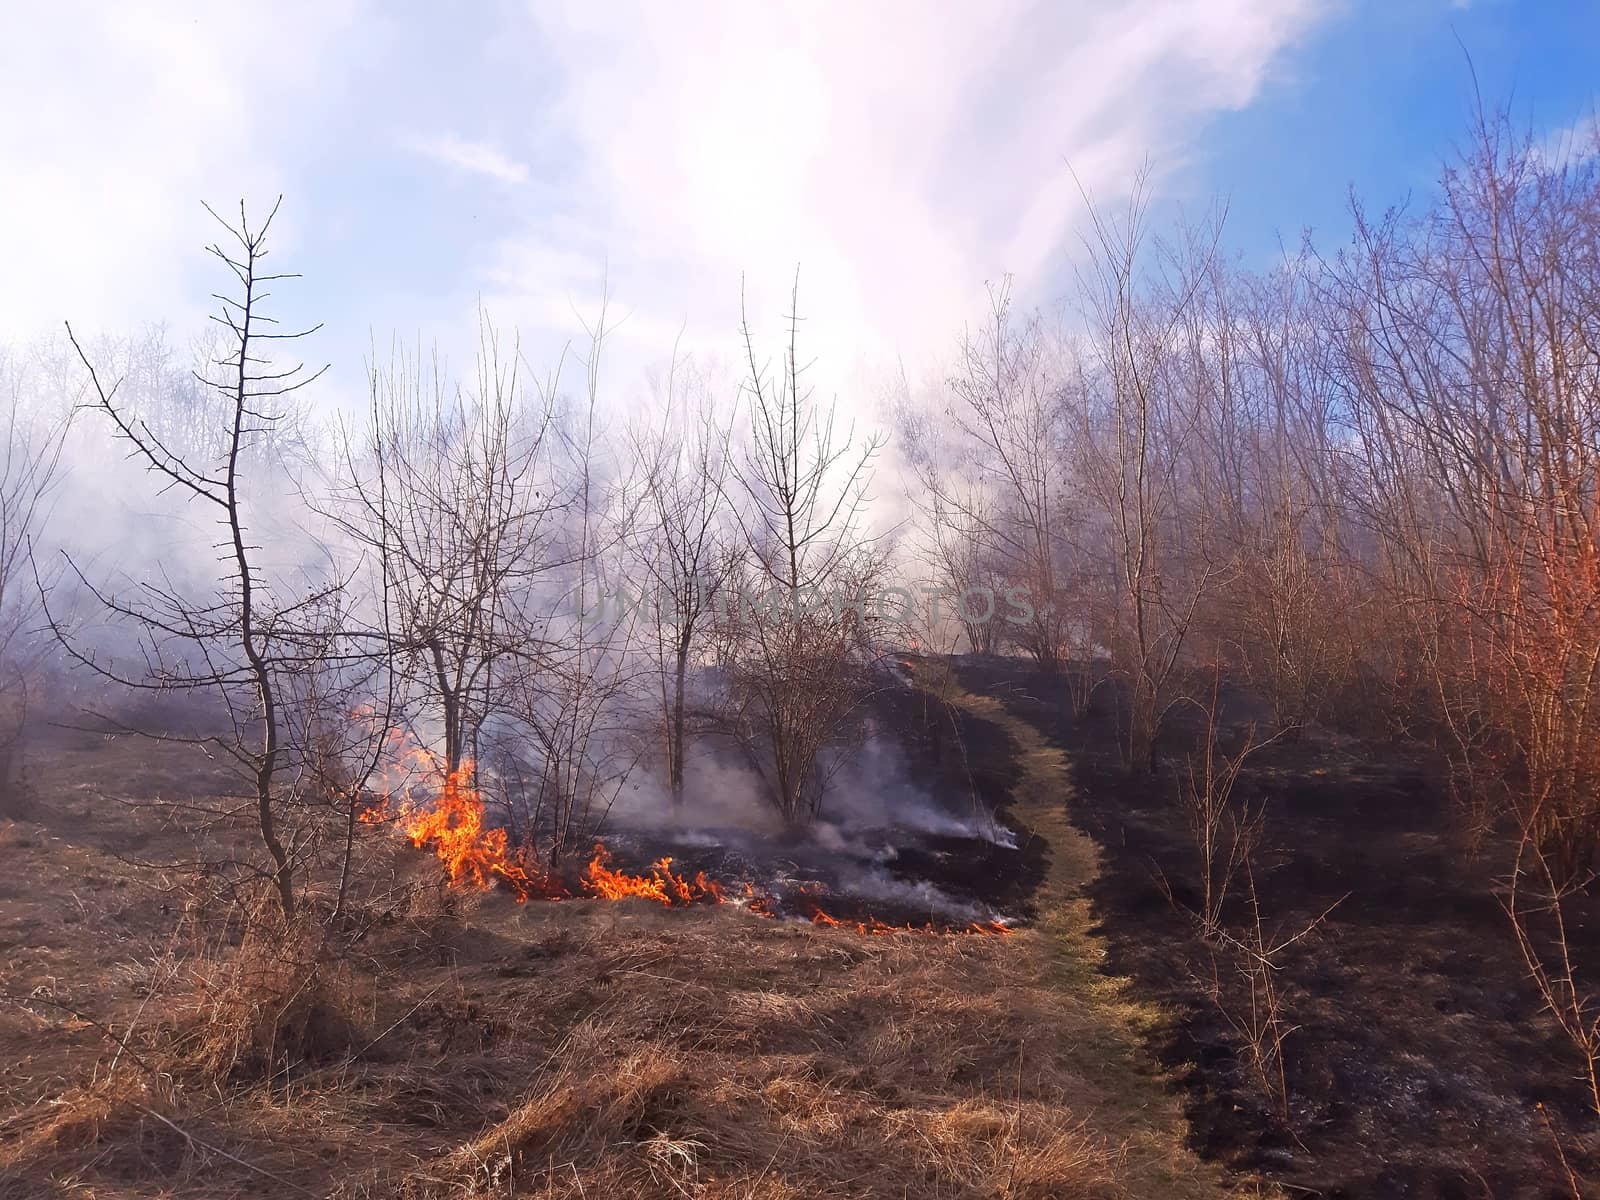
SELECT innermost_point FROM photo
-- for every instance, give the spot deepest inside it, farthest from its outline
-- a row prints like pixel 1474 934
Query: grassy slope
pixel 576 1050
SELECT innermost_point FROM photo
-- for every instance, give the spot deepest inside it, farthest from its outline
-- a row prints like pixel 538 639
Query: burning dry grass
pixel 583 1049
pixel 450 821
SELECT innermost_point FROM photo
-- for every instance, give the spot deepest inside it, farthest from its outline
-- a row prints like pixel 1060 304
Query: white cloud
pixel 1572 144
pixel 116 120
pixel 478 158
pixel 902 154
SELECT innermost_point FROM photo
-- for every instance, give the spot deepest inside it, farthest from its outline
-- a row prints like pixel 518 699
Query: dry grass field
pixel 443 1043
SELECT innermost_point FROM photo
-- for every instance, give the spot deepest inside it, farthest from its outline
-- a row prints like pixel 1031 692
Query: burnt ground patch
pixel 968 765
pixel 1422 1055
pixel 957 854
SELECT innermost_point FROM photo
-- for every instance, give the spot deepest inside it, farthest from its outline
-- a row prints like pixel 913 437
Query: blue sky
pixel 1379 96
pixel 530 156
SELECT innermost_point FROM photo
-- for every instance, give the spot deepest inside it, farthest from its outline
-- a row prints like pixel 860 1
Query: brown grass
pixel 277 1000
pixel 589 1049
pixel 581 1049
pixel 108 1124
pixel 868 1075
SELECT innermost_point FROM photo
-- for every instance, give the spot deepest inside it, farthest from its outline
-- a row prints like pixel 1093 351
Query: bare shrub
pixel 1224 834
pixel 684 547
pixel 1253 1001
pixel 279 1000
pixel 797 644
pixel 1261 1019
pixel 1536 900
pixel 1465 350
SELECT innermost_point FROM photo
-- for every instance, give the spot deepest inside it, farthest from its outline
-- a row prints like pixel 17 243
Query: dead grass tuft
pixel 279 1000
pixel 1030 1151
pixel 580 1114
pixel 111 1122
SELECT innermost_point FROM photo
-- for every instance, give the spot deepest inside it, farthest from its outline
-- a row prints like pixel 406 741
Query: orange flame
pixel 662 885
pixel 453 828
pixel 870 925
pixel 478 855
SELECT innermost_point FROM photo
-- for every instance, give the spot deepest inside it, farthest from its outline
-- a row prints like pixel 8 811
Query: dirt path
pixel 1134 1094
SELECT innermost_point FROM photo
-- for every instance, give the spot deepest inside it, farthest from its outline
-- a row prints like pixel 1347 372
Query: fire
pixel 756 902
pixel 453 828
pixel 662 885
pixel 989 929
pixel 476 854
pixel 870 925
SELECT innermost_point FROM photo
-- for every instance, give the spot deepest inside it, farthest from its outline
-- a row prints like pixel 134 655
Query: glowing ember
pixel 757 903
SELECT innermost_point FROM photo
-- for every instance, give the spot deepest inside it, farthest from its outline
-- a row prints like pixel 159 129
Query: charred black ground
pixel 897 872
pixel 1422 1054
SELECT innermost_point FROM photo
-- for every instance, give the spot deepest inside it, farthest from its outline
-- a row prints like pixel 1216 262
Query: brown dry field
pixel 453 1045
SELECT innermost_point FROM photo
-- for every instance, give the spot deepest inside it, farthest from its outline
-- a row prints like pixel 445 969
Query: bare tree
pixel 950 536
pixel 1144 407
pixel 237 643
pixel 453 500
pixel 683 547
pixel 798 642
pixel 572 701
pixel 1007 401
pixel 30 468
